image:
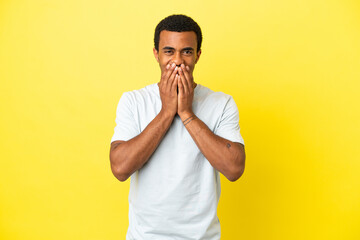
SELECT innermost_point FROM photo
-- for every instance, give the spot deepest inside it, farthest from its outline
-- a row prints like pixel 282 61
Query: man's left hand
pixel 186 92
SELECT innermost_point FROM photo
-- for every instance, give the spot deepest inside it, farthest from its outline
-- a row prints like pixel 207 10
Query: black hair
pixel 177 23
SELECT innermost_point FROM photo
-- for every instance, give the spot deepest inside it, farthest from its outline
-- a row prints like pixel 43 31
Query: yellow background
pixel 293 68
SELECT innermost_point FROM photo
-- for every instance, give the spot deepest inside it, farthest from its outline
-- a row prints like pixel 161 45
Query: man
pixel 173 138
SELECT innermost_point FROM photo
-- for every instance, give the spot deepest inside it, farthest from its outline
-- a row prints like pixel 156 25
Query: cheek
pixel 192 66
pixel 165 62
pixel 190 63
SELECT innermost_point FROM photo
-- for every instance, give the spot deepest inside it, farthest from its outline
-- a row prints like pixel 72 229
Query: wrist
pixel 166 114
pixel 186 115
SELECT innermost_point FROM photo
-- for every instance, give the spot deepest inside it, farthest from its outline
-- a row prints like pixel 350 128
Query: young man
pixel 173 138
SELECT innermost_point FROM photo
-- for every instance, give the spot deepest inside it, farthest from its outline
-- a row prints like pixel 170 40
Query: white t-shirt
pixel 176 193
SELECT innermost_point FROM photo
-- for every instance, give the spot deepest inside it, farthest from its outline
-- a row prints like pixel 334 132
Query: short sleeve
pixel 126 127
pixel 228 126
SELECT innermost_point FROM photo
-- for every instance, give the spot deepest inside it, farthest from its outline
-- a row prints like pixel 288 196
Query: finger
pixel 184 81
pixel 174 85
pixel 163 74
pixel 180 86
pixel 187 75
pixel 171 78
pixel 167 73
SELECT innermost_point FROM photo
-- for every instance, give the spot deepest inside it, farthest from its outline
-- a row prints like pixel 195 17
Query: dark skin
pixel 177 57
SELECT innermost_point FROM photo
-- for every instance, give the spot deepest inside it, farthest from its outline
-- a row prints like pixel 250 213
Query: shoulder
pixel 208 94
pixel 132 96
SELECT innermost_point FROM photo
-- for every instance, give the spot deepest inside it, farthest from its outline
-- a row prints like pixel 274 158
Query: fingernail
pixel 182 65
pixel 173 64
pixel 167 66
pixel 176 68
pixel 187 67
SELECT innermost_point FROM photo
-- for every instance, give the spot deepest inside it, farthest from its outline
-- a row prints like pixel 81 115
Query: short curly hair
pixel 178 23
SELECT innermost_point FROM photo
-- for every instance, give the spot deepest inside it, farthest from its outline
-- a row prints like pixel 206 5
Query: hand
pixel 167 88
pixel 186 92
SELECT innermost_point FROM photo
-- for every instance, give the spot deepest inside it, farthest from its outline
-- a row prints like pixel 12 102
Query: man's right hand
pixel 168 90
pixel 126 157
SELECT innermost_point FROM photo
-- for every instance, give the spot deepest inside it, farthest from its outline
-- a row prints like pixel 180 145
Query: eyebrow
pixel 171 48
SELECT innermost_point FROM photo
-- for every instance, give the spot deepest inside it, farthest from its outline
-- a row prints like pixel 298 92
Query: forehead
pixel 177 39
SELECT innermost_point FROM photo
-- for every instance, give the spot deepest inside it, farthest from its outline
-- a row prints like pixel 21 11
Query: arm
pixel 225 156
pixel 126 157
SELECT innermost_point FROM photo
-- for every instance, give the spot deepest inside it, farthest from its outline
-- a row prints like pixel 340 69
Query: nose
pixel 177 59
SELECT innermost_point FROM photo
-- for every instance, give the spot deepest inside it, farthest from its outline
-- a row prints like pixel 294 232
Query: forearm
pixel 225 156
pixel 131 155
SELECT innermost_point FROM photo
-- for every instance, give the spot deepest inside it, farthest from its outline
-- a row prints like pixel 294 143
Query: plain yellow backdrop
pixel 293 68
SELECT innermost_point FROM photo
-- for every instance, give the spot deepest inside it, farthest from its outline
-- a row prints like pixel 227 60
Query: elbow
pixel 238 170
pixel 117 168
pixel 121 175
pixel 122 178
pixel 235 175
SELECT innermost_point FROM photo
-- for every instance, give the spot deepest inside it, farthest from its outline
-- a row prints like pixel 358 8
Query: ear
pixel 156 54
pixel 198 56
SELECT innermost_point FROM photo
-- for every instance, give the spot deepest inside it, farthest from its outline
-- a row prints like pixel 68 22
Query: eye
pixel 188 52
pixel 167 51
